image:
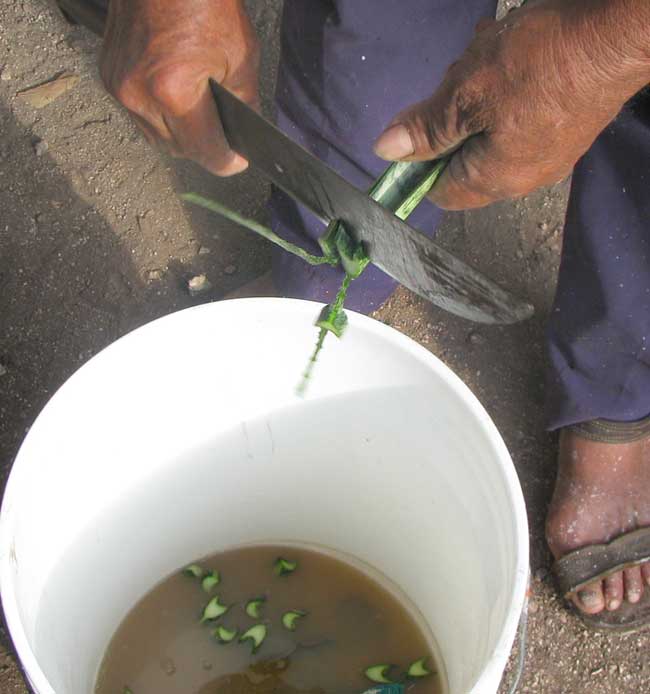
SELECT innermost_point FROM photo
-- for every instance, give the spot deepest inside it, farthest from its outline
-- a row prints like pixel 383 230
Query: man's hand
pixel 526 99
pixel 156 60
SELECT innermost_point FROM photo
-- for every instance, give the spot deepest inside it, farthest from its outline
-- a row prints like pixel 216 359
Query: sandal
pixel 589 564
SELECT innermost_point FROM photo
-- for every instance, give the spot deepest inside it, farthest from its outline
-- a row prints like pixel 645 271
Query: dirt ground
pixel 94 242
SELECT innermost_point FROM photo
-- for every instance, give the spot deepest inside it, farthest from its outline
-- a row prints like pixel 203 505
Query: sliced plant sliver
pixel 284 567
pixel 254 607
pixel 290 618
pixel 225 635
pixel 379 674
pixel 193 571
pixel 213 610
pixel 419 668
pixel 256 635
pixel 210 580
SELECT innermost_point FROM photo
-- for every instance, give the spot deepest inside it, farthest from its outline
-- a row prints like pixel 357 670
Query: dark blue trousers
pixel 348 66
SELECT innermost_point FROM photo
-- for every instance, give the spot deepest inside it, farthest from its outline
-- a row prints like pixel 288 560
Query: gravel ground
pixel 93 243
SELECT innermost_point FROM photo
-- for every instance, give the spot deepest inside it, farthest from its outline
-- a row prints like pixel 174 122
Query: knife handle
pixel 404 184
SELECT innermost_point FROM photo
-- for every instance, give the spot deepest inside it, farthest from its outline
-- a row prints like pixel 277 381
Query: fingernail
pixel 613 605
pixel 588 598
pixel 394 143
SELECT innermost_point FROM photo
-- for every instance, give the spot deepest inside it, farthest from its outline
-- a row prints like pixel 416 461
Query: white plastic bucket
pixel 186 437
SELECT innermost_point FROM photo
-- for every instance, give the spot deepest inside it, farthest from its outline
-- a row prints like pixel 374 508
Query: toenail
pixel 613 604
pixel 633 596
pixel 588 598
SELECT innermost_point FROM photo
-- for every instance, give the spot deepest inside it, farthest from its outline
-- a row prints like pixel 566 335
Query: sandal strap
pixel 608 431
pixel 595 562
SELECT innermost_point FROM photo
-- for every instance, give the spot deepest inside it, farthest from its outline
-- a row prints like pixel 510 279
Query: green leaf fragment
pixel 213 610
pixel 332 320
pixel 225 635
pixel 254 607
pixel 127 690
pixel 418 669
pixel 290 618
pixel 210 580
pixel 193 571
pixel 283 567
pixel 256 635
pixel 379 674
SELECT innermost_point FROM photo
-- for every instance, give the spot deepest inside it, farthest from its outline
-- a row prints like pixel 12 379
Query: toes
pixel 590 599
pixel 645 573
pixel 614 591
pixel 633 584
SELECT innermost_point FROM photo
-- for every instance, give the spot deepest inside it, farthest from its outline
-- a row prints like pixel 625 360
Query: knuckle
pixel 168 87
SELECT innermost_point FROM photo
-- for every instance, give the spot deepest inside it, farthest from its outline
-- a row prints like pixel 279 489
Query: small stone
pixel 206 665
pixel 154 275
pixel 204 250
pixel 168 666
pixel 541 573
pixel 544 226
pixel 3 370
pixel 198 284
pixel 40 147
pixel 6 75
pixel 230 270
pixel 533 607
pixel 519 254
pixel 475 338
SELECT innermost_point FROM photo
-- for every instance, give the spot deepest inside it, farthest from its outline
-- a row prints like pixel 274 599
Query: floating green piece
pixel 418 669
pixel 256 635
pixel 126 690
pixel 254 607
pixel 379 674
pixel 210 580
pixel 332 320
pixel 283 567
pixel 290 618
pixel 213 610
pixel 193 571
pixel 225 635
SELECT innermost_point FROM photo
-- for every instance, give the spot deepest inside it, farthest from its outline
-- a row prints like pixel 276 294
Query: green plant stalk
pixel 260 229
pixel 334 310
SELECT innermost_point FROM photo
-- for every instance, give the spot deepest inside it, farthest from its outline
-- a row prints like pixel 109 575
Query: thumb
pixel 428 130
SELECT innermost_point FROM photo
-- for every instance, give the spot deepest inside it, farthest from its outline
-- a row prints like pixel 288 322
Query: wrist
pixel 615 36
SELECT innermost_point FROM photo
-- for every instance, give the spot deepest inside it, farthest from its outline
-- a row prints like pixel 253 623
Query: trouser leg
pixel 347 68
pixel 599 331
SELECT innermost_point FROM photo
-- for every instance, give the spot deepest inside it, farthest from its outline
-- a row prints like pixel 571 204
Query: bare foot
pixel 602 491
pixel 260 286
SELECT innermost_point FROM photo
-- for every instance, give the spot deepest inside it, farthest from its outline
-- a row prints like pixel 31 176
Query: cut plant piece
pixel 225 635
pixel 213 610
pixel 256 635
pixel 418 668
pixel 193 571
pixel 210 580
pixel 352 254
pixel 332 320
pixel 379 674
pixel 290 618
pixel 284 567
pixel 127 690
pixel 403 185
pixel 254 607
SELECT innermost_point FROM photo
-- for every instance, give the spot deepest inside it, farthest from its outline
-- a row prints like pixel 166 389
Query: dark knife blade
pixel 405 254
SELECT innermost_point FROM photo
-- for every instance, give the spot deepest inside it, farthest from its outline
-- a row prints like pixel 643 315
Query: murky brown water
pixel 352 623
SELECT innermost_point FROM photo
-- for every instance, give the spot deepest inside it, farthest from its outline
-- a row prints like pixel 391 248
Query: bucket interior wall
pixel 156 454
